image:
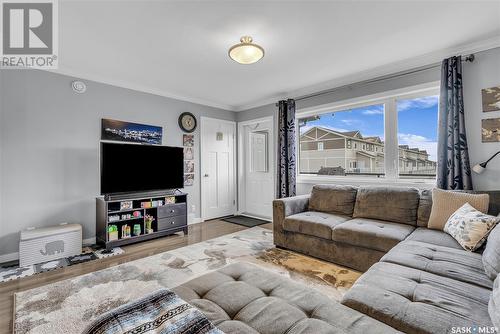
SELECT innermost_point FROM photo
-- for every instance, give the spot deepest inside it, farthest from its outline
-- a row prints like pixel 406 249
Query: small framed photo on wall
pixel 491 99
pixel 188 166
pixel 188 140
pixel 490 130
pixel 188 153
pixel 188 179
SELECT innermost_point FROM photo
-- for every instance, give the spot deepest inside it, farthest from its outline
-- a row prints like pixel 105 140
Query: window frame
pixel 391 147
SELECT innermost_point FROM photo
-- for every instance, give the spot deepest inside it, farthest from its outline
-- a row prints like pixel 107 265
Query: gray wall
pixel 348 92
pixel 49 139
pixel 484 72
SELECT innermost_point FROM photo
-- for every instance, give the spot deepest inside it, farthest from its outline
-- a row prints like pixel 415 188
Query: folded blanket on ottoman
pixel 160 312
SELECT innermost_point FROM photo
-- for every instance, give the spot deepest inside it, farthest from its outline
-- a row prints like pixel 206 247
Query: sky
pixel 417 122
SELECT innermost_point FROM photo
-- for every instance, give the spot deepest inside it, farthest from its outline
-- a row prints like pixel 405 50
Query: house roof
pixel 355 134
pixel 338 133
pixel 374 139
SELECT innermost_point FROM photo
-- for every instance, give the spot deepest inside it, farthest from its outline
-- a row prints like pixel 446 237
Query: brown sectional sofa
pixel 417 280
pixel 355 230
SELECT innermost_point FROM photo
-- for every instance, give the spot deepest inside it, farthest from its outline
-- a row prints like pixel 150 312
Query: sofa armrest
pixel 283 208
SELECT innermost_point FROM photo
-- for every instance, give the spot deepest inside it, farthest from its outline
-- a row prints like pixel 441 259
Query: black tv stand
pixel 169 218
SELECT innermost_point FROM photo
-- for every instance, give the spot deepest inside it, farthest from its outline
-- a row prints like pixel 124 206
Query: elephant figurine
pixel 53 247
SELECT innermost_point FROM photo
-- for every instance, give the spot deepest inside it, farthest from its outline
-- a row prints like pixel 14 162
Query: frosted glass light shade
pixel 246 52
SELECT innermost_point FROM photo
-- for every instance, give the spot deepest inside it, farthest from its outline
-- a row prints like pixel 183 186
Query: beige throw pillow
pixel 445 203
pixel 470 227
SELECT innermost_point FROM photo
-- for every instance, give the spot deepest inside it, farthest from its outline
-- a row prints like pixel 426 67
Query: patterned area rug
pixel 68 306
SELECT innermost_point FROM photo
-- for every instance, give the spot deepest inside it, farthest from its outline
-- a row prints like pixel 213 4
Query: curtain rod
pixel 469 58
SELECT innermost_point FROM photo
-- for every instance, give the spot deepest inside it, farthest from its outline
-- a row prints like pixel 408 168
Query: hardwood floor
pixel 197 233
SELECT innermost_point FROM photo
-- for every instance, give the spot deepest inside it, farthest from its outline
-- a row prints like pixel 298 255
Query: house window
pixel 359 126
pixel 396 136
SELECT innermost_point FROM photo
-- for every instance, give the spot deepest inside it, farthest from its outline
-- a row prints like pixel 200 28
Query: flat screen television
pixel 127 168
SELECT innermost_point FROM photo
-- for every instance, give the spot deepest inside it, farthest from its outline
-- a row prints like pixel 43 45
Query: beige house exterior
pixel 322 148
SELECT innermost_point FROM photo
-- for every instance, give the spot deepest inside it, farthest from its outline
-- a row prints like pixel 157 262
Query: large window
pixel 417 136
pixel 343 143
pixel 394 137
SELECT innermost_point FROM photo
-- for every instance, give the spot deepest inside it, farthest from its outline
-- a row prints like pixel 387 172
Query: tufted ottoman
pixel 242 298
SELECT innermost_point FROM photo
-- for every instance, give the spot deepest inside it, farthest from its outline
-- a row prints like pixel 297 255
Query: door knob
pixel 206 175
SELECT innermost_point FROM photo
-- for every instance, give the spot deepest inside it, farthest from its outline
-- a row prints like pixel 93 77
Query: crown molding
pixel 395 67
pixel 140 88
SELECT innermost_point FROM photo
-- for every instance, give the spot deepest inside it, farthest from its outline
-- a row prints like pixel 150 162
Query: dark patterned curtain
pixel 286 148
pixel 453 156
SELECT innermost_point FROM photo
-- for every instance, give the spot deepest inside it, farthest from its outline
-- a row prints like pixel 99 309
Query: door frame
pixel 202 164
pixel 241 162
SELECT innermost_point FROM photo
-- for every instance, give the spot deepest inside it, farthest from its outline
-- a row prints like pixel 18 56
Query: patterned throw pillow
pixel 470 227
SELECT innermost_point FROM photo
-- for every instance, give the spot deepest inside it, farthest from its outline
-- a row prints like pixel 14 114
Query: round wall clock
pixel 187 122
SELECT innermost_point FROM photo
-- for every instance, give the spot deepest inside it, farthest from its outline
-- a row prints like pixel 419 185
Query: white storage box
pixel 43 244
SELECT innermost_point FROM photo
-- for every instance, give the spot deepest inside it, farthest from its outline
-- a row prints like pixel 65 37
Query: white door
pixel 257 164
pixel 218 177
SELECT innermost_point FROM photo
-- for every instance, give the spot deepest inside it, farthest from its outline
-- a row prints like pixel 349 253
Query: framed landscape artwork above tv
pixel 130 132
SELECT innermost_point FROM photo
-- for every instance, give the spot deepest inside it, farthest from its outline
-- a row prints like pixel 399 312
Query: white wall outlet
pixel 193 208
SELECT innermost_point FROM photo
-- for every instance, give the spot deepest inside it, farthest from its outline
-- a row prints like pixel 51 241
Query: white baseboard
pixel 193 220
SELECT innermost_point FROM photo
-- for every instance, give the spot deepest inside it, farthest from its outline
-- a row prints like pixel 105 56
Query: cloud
pixel 418 103
pixel 373 112
pixel 420 142
pixel 350 121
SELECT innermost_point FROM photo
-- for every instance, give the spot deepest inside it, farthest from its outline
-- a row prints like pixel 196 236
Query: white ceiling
pixel 179 49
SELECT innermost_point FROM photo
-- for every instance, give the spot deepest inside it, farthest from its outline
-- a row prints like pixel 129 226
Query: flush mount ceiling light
pixel 246 52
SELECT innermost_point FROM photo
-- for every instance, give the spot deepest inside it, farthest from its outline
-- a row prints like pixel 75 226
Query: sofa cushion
pixel 415 301
pixel 434 237
pixel 494 304
pixel 424 207
pixel 448 262
pixel 393 204
pixel 369 233
pixel 318 224
pixel 445 203
pixel 491 254
pixel 242 298
pixel 333 198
